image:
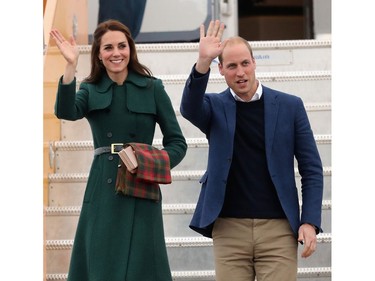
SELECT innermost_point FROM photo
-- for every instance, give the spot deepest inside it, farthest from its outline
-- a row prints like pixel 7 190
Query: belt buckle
pixel 116 147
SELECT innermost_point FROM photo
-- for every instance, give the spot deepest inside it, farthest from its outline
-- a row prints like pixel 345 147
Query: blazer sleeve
pixel 310 169
pixel 195 105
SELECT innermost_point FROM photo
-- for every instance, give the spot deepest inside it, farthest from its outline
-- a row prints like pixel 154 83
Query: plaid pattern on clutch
pixel 153 168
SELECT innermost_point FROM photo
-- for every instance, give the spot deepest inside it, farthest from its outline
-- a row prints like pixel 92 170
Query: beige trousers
pixel 249 248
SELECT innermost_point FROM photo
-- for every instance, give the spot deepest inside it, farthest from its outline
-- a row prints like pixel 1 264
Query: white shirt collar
pixel 257 95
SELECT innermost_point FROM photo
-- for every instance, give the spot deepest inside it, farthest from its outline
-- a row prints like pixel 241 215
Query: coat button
pixel 109 134
pixel 110 157
pixel 109 180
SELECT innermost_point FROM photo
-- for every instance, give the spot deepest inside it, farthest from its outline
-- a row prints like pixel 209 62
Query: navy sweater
pixel 250 192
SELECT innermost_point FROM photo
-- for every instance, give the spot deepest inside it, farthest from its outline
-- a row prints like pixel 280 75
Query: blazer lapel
pixel 229 112
pixel 271 108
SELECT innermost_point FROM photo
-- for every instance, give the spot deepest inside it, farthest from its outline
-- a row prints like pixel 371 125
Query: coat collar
pixel 105 83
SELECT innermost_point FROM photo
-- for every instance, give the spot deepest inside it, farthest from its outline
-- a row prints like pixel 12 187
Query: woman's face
pixel 114 53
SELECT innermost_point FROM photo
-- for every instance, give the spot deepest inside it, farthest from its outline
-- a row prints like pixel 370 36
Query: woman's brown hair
pixel 97 68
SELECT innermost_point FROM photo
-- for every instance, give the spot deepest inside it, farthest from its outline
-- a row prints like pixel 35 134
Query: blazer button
pixel 109 180
pixel 110 157
pixel 109 134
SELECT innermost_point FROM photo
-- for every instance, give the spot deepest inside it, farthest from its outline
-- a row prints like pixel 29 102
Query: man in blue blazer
pixel 249 201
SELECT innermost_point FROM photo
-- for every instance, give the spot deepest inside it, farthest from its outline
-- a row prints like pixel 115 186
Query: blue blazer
pixel 287 135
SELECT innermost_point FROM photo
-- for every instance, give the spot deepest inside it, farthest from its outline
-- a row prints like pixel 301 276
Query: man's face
pixel 238 69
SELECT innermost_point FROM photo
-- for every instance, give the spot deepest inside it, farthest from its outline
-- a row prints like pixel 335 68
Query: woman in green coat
pixel 118 238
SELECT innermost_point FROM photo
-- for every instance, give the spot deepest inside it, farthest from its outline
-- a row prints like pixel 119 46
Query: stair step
pixel 171 242
pixel 297 83
pixel 178 58
pixel 311 86
pixel 209 275
pixel 70 193
pixel 168 209
pixel 176 219
pixel 77 156
pixel 68 188
pixel 185 253
pixel 176 175
pixel 191 142
pixel 319 115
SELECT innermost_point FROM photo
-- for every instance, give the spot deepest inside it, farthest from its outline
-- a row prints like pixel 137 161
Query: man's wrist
pixel 315 227
pixel 198 74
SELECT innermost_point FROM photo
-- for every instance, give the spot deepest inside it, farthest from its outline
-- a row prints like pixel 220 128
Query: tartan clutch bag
pixel 153 169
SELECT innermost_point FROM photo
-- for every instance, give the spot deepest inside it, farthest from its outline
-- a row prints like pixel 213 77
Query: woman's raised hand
pixel 68 49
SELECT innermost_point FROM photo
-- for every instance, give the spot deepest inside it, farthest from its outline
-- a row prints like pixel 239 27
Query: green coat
pixel 120 238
